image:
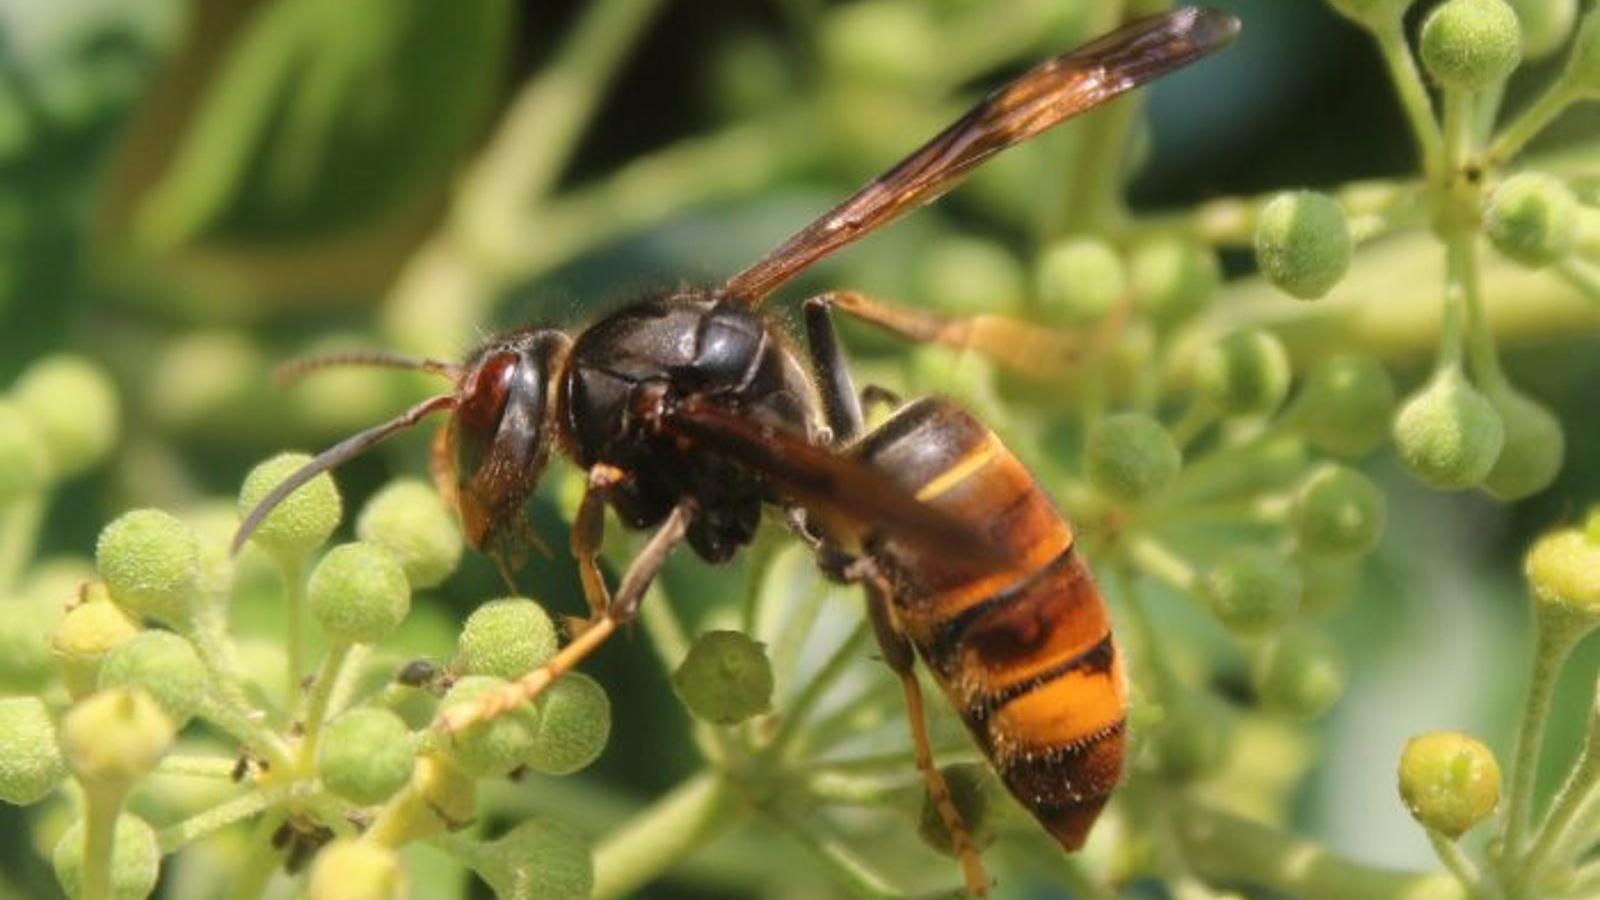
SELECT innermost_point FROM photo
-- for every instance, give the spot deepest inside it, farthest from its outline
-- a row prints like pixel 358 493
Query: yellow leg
pixel 898 654
pixel 971 865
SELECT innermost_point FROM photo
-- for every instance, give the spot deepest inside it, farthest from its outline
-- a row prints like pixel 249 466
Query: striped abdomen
pixel 1022 648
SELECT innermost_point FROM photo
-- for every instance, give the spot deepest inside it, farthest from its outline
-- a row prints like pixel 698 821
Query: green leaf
pixel 325 116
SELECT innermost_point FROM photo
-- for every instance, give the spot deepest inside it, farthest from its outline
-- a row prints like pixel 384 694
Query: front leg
pixel 619 610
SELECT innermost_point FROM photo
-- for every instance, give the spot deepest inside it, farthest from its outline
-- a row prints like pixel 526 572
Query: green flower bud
pixel 24 456
pixel 493 748
pixel 115 737
pixel 31 764
pixel 74 406
pixel 408 519
pixel 1448 433
pixel 150 561
pixel 1564 569
pixel 970 276
pixel 1348 405
pixel 25 629
pixel 1252 591
pixel 574 725
pixel 1371 13
pixel 726 678
pixel 1303 243
pixel 1338 512
pixel 135 860
pixel 1468 45
pixel 86 634
pixel 165 666
pixel 1448 781
pixel 540 858
pixel 351 869
pixel 1080 280
pixel 1172 279
pixel 358 593
pixel 1300 673
pixel 972 790
pixel 1244 374
pixel 366 755
pixel 881 41
pixel 303 521
pixel 506 638
pixel 1583 62
pixel 1190 739
pixel 1329 584
pixel 1130 456
pixel 1546 24
pixel 1532 218
pixel 1534 448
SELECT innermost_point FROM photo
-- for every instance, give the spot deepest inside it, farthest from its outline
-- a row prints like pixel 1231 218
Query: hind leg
pixel 898 654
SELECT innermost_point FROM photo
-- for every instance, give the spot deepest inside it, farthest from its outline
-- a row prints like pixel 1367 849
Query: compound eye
pixel 482 398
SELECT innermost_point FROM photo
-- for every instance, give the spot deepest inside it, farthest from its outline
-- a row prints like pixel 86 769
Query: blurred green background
pixel 190 192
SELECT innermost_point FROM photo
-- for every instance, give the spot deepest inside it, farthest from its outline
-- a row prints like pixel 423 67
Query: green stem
pixel 250 879
pixel 103 804
pixel 1531 121
pixel 1163 683
pixel 292 573
pixel 317 705
pixel 197 766
pixel 1094 193
pixel 847 653
pixel 540 131
pixel 19 531
pixel 656 839
pixel 1450 854
pixel 1412 93
pixel 1234 850
pixel 1555 835
pixel 218 817
pixel 1555 641
pixel 661 625
pixel 852 871
pixel 1154 558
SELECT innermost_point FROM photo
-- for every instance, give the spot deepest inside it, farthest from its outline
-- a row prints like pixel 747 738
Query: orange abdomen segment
pixel 1022 648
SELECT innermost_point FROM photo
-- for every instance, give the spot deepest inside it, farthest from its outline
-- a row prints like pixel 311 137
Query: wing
pixel 834 486
pixel 1044 96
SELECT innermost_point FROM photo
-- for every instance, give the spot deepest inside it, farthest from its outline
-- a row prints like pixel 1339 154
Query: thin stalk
pixel 251 878
pixel 1413 94
pixel 218 817
pixel 1532 120
pixel 851 870
pixel 848 651
pixel 317 704
pixel 1554 643
pixel 1577 793
pixel 658 838
pixel 102 806
pixel 894 760
pixel 1465 871
pixel 19 531
pixel 1154 558
pixel 836 788
pixel 1584 278
pixel 1237 851
pixel 540 131
pixel 292 573
pixel 197 766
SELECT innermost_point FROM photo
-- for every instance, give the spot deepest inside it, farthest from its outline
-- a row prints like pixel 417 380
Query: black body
pixel 671 347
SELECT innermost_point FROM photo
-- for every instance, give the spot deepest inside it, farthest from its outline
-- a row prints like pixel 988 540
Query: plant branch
pixel 1234 850
pixel 657 839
